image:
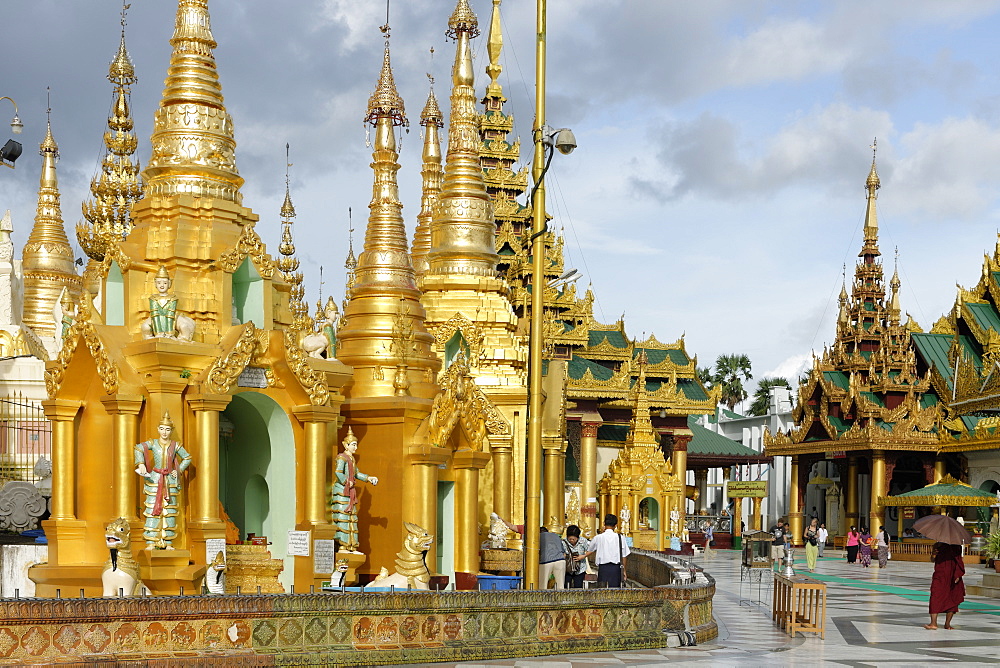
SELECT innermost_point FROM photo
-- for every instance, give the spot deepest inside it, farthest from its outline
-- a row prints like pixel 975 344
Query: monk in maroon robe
pixel 947 588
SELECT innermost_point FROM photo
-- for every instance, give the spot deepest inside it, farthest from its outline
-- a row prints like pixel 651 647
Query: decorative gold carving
pixel 473 334
pixel 313 381
pixel 107 370
pixel 249 245
pixel 223 373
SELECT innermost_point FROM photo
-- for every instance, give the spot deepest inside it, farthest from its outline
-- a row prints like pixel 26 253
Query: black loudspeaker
pixel 11 151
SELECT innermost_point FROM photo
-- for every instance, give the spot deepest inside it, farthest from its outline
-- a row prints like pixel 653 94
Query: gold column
pixel 503 478
pixel 125 409
pixel 315 419
pixel 62 412
pixel 588 476
pixel 794 510
pixel 420 489
pixel 737 516
pixel 467 464
pixel 205 454
pixel 851 503
pixel 679 462
pixel 554 496
pixel 939 468
pixel 755 520
pixel 876 513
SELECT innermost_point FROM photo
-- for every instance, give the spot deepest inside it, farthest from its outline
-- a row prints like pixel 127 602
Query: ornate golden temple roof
pixel 194 150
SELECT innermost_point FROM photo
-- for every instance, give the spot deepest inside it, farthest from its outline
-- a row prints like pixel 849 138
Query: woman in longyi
pixel 947 587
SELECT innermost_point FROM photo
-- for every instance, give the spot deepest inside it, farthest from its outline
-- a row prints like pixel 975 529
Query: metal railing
pixel 25 435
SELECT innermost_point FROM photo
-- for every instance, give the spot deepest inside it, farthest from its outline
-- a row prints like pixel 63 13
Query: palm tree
pixel 760 397
pixel 730 372
pixel 704 376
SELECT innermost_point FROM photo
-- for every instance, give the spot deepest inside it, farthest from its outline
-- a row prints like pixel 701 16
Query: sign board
pixel 741 489
pixel 909 513
pixel 323 556
pixel 298 543
pixel 835 454
pixel 252 376
pixel 212 548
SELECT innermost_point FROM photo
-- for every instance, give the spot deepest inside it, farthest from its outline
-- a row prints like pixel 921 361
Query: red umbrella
pixel 943 529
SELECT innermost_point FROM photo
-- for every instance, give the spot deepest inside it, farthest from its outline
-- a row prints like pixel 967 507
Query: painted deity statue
pixel 344 500
pixel 625 515
pixel 161 461
pixel 323 342
pixel 164 320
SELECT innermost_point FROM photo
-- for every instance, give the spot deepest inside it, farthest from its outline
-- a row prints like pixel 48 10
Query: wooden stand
pixel 799 605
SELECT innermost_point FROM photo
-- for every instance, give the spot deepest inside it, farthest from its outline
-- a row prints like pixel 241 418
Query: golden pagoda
pixel 865 407
pixel 225 353
pixel 47 258
pixel 467 302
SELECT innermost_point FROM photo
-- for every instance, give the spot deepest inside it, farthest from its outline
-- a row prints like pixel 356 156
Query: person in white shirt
pixel 822 536
pixel 610 550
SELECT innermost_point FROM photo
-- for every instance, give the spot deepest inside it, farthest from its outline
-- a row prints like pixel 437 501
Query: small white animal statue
pixel 411 567
pixel 339 573
pixel 121 572
pixel 215 577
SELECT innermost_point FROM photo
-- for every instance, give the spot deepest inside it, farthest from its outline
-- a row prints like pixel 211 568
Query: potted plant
pixel 991 549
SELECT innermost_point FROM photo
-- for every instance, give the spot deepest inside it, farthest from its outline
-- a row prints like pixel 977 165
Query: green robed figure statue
pixel 161 461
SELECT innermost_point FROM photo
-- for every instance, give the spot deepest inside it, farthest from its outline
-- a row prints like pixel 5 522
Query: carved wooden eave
pixel 112 369
pixel 249 245
pixel 461 403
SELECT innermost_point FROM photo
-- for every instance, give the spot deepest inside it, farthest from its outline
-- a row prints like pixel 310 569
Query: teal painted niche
pixel 114 296
pixel 248 294
pixel 454 345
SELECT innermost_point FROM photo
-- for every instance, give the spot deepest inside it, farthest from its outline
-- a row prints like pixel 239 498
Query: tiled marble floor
pixel 874 618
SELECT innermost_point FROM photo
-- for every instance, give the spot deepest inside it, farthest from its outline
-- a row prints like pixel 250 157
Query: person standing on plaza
pixel 865 548
pixel 853 538
pixel 947 588
pixel 811 537
pixel 778 543
pixel 709 537
pixel 822 535
pixel 576 547
pixel 551 560
pixel 882 541
pixel 610 552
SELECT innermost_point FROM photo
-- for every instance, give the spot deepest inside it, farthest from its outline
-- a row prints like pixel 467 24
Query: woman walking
pixel 853 537
pixel 882 541
pixel 865 548
pixel 812 544
pixel 947 588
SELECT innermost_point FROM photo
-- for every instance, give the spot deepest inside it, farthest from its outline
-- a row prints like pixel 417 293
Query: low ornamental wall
pixel 354 628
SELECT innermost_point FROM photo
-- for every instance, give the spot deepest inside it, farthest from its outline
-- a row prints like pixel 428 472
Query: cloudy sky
pixel 724 145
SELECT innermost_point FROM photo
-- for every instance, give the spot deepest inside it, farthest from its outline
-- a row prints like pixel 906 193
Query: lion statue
pixel 121 572
pixel 411 565
pixel 215 577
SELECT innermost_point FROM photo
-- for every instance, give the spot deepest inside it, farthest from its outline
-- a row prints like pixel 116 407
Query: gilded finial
pixel 494 47
pixel 432 175
pixel 194 149
pixel 463 19
pixel 166 421
pixel 873 181
pixel 385 102
pixel 122 71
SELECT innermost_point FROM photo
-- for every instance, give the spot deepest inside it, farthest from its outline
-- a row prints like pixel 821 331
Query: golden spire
pixel 494 46
pixel 351 262
pixel 432 120
pixel 895 310
pixel 288 264
pixel 871 219
pixel 641 428
pixel 193 145
pixel 384 288
pixel 108 212
pixel 463 231
pixel 47 258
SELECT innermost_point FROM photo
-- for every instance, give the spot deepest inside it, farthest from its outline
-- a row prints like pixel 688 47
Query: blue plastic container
pixel 488 582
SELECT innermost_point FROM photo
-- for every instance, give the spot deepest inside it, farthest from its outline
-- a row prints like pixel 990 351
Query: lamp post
pixel 546 140
pixel 11 151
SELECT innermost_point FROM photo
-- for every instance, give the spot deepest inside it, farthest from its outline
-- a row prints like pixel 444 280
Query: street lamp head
pixel 16 125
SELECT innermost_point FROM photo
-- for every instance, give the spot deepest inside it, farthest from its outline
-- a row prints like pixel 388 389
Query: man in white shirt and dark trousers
pixel 610 550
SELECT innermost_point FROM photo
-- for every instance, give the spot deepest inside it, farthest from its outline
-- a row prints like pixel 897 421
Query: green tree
pixel 760 397
pixel 704 376
pixel 730 372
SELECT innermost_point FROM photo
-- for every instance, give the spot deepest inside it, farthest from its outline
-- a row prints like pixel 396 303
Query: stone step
pixel 991 579
pixel 976 590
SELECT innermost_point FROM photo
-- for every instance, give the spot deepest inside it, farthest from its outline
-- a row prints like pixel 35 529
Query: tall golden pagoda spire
pixel 641 429
pixel 872 185
pixel 108 213
pixel 193 144
pixel 463 231
pixel 494 46
pixel 432 120
pixel 47 258
pixel 384 299
pixel 288 264
pixel 895 310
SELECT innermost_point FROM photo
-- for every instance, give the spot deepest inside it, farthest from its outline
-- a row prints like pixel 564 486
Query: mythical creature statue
pixel 339 573
pixel 344 499
pixel 215 578
pixel 164 320
pixel 324 340
pixel 121 572
pixel 411 564
pixel 160 462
